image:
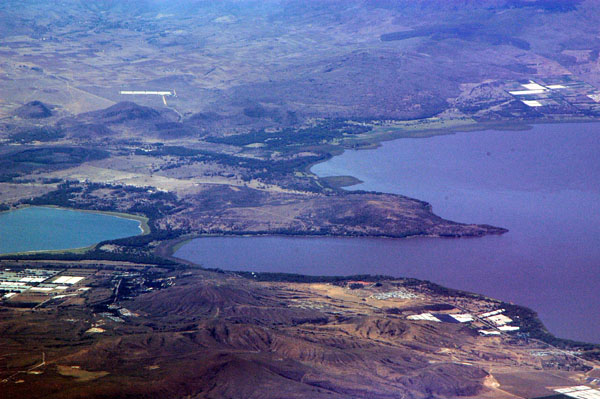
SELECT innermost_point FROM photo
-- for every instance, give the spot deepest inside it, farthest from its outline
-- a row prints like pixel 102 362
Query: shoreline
pixel 541 132
pixel 167 249
pixel 515 131
pixel 390 133
pixel 143 220
pixel 396 133
pixel 536 325
pixel 170 247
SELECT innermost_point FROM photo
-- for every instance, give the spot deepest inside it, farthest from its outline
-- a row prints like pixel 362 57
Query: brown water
pixel 542 184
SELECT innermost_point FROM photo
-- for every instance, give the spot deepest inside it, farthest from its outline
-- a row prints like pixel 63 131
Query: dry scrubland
pixel 130 330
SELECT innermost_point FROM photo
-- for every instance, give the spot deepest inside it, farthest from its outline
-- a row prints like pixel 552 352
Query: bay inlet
pixel 542 184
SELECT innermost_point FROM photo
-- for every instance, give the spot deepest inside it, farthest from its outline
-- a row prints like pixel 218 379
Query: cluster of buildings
pixel 443 317
pixel 499 320
pixel 13 282
pixel 496 320
pixel 557 94
pixel 31 286
pixel 578 392
pixel 401 294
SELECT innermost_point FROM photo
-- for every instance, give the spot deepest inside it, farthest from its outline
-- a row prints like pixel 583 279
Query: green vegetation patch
pixel 31 134
pixel 323 133
pixel 56 155
pixel 472 31
pixel 29 160
pixel 340 181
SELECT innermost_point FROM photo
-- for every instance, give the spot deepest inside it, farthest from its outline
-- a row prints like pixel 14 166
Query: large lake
pixel 41 228
pixel 542 184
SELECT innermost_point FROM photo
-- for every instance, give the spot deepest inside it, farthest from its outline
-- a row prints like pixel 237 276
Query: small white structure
pixel 526 92
pixel 532 103
pixel 462 318
pixel 492 313
pixel 68 280
pixel 126 312
pixel 508 328
pixel 595 97
pixel 534 86
pixel 95 330
pixel 499 319
pixel 489 332
pixel 163 94
pixel 424 316
pixel 146 92
pixel 32 279
pixel 579 392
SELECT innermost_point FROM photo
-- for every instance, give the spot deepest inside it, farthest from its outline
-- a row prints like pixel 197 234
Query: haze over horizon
pixel 225 130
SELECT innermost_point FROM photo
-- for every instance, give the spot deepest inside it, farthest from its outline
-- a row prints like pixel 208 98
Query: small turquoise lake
pixel 43 229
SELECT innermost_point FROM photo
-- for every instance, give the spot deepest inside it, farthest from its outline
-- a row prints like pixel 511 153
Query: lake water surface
pixel 41 228
pixel 542 184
